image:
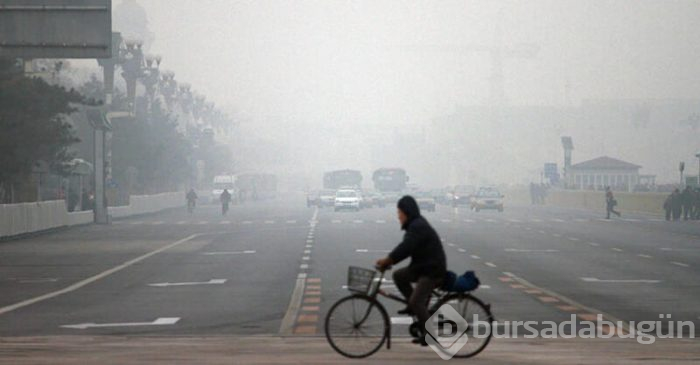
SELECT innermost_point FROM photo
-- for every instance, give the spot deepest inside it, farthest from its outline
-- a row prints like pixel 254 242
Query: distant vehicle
pixel 425 200
pixel 220 183
pixel 371 199
pixel 346 199
pixel 487 198
pixel 326 198
pixel 462 195
pixel 313 199
pixel 342 178
pixel 390 180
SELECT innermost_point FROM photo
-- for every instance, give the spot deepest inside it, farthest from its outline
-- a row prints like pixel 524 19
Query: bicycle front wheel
pixel 357 326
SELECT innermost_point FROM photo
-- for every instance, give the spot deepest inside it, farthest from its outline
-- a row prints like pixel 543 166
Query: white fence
pixel 17 219
pixel 144 204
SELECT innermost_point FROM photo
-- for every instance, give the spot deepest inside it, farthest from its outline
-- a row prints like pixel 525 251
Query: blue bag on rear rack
pixel 463 283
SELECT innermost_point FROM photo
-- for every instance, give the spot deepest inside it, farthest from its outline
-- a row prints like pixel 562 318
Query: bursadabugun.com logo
pixel 448 332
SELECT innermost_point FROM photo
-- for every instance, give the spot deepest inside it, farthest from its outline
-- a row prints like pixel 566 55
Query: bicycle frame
pixel 376 290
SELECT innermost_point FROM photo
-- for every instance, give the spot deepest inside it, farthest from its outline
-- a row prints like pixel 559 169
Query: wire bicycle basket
pixel 360 280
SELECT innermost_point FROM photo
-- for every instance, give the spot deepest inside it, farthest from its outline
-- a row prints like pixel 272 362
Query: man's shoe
pixel 420 340
pixel 406 311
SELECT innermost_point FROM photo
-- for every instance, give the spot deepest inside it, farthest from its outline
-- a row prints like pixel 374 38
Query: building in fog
pixel 604 171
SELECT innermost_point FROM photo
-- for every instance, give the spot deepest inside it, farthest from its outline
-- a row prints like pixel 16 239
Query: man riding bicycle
pixel 191 199
pixel 428 265
pixel 225 199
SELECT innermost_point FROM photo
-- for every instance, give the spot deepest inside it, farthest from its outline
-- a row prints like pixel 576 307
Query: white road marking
pixel 225 222
pixel 163 321
pixel 644 256
pixel 468 221
pixel 475 257
pixel 381 221
pixel 581 220
pixel 616 249
pixel 679 249
pixel 269 222
pixel 246 222
pixel 680 264
pixel 37 281
pixel 445 220
pixel 536 220
pixel 306 252
pixel 490 264
pixel 631 220
pixel 594 244
pixel 92 279
pixel 290 315
pixel 461 250
pixel 556 235
pixel 513 220
pixel 558 220
pixel 157 223
pixel 181 222
pixel 228 252
pixel 625 325
pixel 364 250
pixel 490 220
pixel 308 246
pixel 573 239
pixel 541 231
pixel 309 241
pixel 304 266
pixel 306 258
pixel 621 281
pixel 291 221
pixel 357 221
pixel 336 221
pixel 136 223
pixel 451 244
pixel 203 222
pixel 528 250
pixel 402 320
pixel 210 282
pixel 484 286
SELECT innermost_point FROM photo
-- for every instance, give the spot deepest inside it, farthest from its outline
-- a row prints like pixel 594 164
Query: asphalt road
pixel 176 274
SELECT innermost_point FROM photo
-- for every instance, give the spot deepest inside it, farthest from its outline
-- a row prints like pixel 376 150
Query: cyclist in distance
pixel 428 265
pixel 191 200
pixel 225 199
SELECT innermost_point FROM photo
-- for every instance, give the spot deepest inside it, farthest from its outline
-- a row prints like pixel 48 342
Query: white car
pixel 346 199
pixel 487 198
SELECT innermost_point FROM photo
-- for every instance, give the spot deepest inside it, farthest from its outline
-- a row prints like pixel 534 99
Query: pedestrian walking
pixel 668 206
pixel 676 204
pixel 610 203
pixel 687 202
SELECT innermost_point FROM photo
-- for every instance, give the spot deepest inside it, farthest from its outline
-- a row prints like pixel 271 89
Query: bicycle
pixel 369 327
pixel 190 206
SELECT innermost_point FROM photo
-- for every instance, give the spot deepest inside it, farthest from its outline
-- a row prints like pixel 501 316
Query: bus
pixel 342 178
pixel 390 180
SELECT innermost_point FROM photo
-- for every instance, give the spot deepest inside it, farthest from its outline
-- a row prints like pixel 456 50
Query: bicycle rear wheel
pixel 479 319
pixel 357 326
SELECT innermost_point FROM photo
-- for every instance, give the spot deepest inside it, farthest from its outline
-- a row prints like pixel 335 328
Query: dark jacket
pixel 421 243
